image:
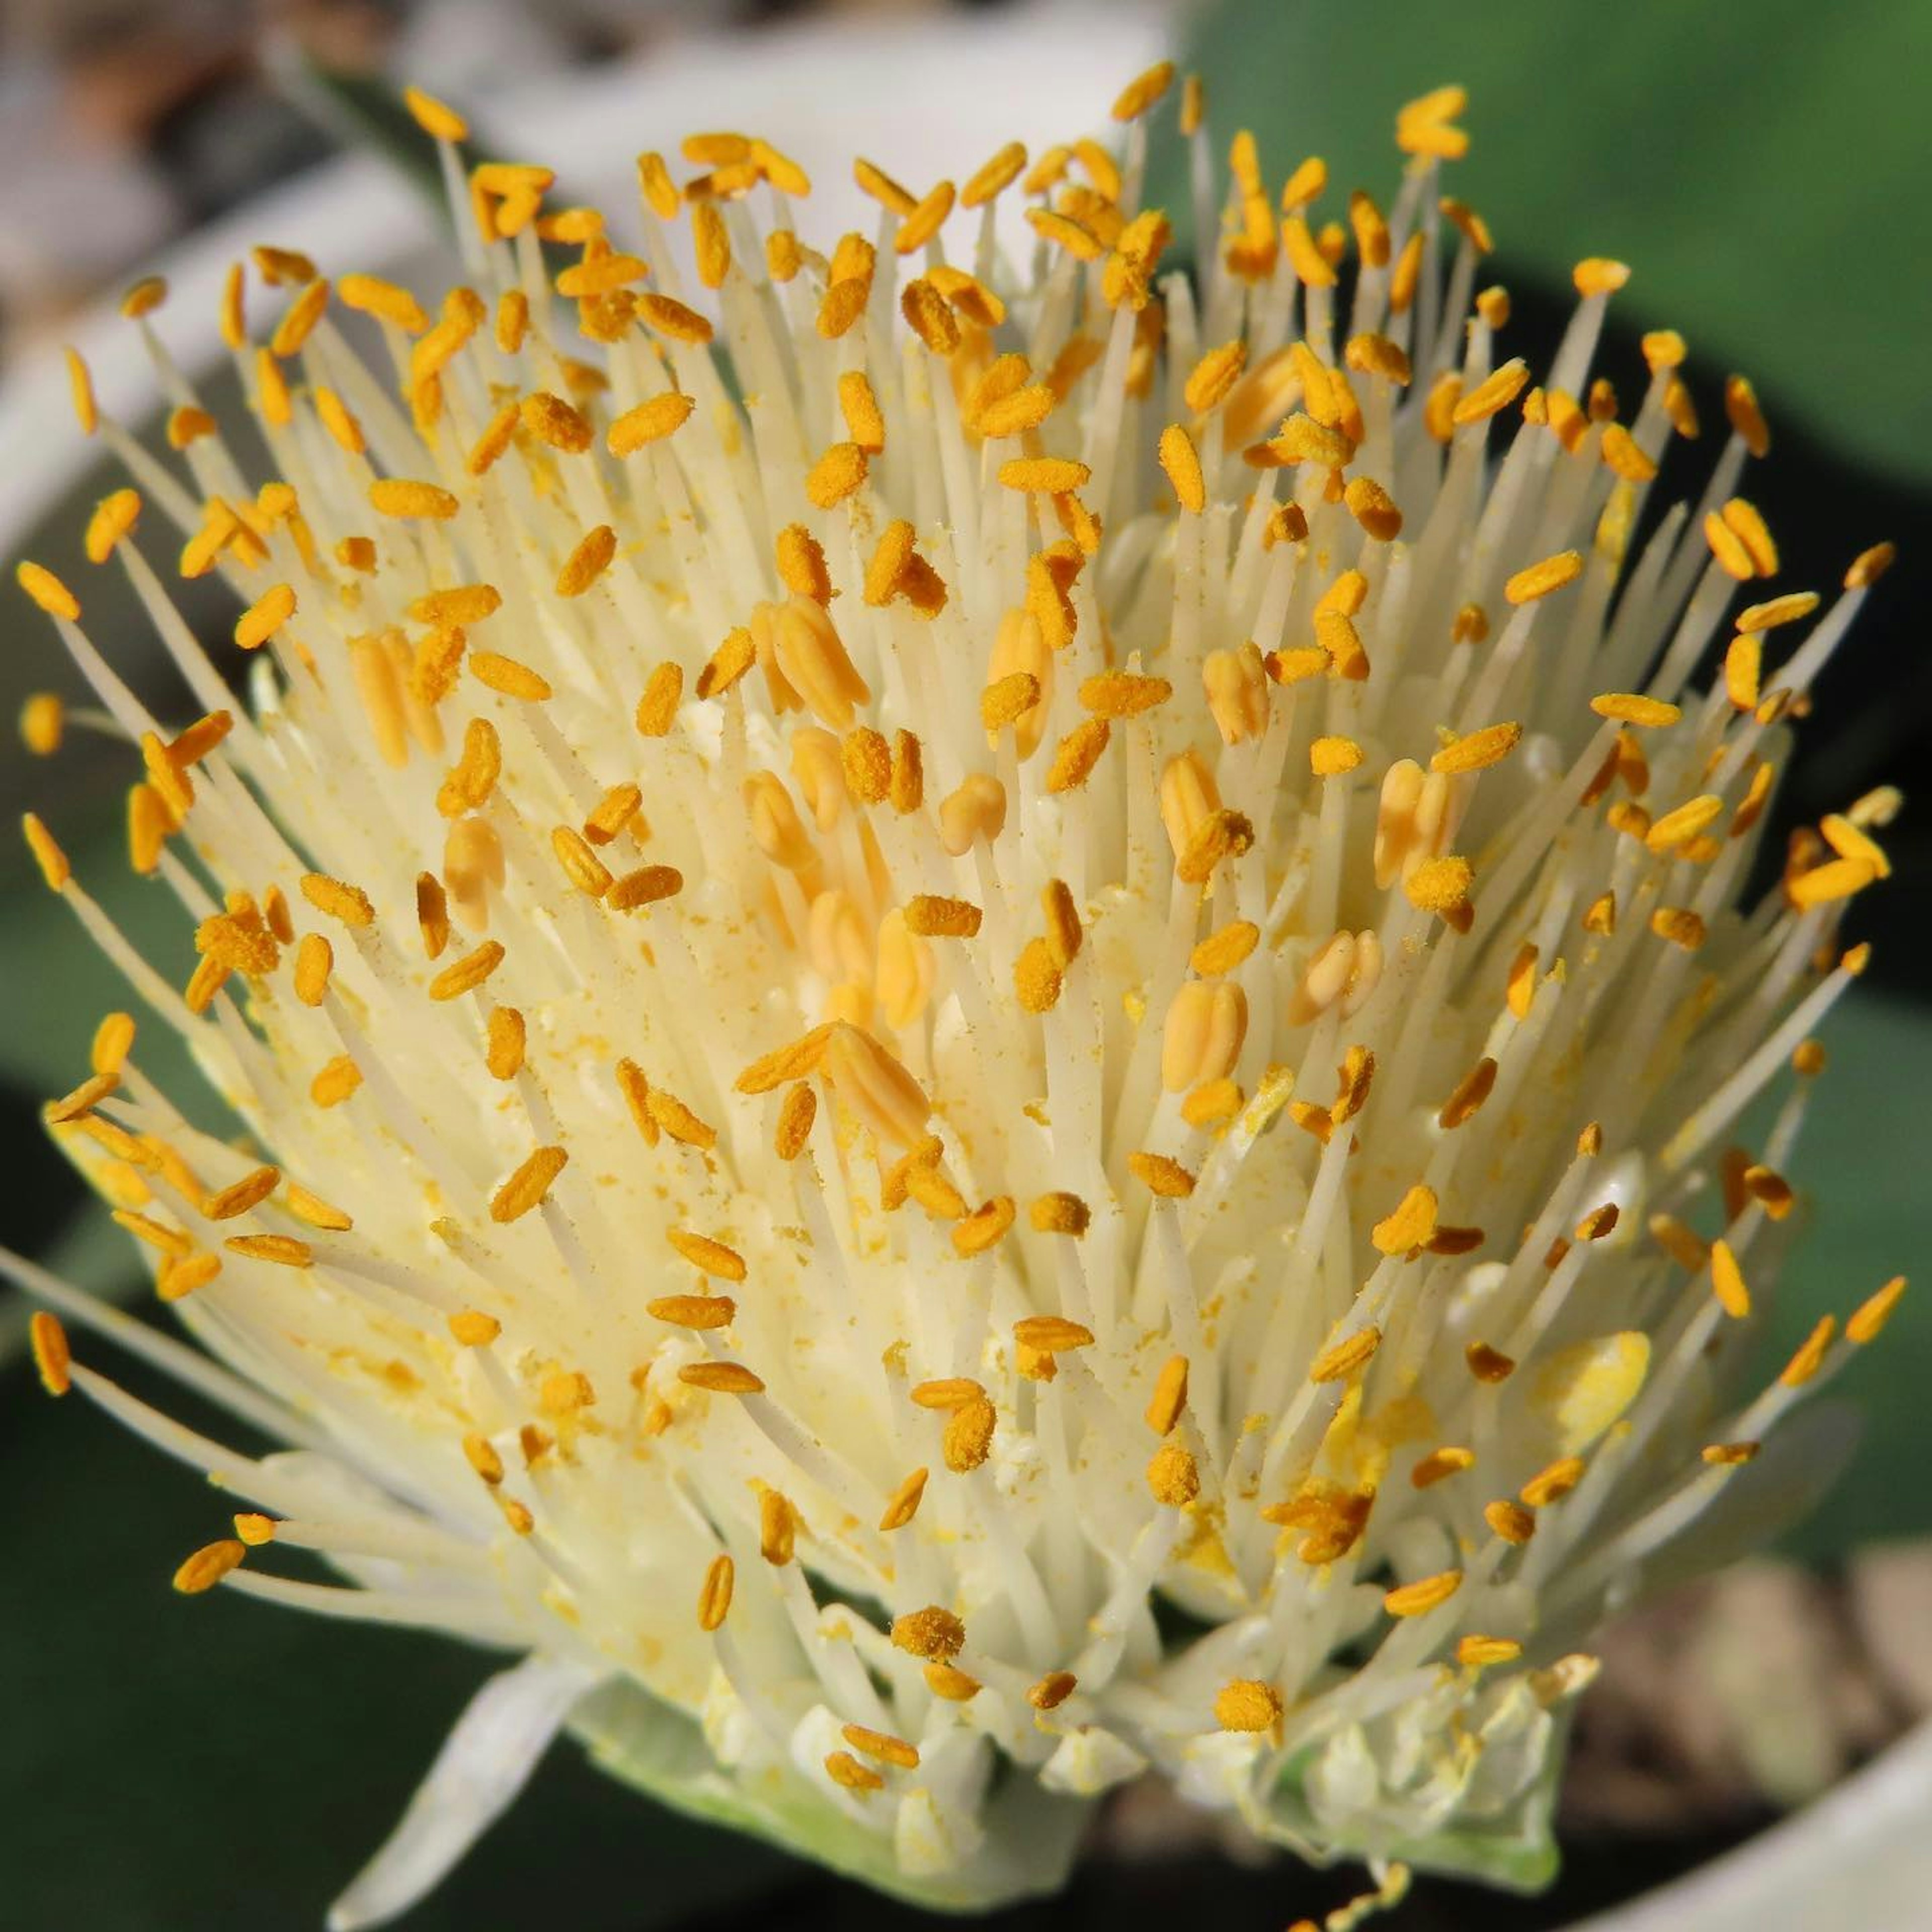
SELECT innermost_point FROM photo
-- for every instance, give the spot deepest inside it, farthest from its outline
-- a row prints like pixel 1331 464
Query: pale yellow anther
pixel 974 812
pixel 1346 967
pixel 1415 820
pixel 1201 1038
pixel 809 651
pixel 1188 797
pixel 875 1086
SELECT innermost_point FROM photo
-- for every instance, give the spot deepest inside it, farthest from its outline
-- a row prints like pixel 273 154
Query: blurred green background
pixel 210 1764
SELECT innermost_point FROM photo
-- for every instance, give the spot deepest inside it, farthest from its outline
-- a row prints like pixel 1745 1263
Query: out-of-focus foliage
pixel 1761 164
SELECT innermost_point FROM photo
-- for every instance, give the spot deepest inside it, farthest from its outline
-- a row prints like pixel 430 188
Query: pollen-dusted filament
pixel 918 949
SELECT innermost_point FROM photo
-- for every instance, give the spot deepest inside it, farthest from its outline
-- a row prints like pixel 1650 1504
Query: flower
pixel 988 1019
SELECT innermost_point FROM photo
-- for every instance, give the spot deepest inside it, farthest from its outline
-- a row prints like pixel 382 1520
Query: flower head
pixel 987 1016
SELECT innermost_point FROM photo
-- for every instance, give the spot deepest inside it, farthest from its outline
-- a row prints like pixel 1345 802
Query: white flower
pixel 996 1021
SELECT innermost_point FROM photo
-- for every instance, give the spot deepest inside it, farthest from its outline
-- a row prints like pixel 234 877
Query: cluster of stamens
pixel 916 955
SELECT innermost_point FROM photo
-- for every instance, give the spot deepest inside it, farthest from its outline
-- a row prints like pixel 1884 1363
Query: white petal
pixel 485 1761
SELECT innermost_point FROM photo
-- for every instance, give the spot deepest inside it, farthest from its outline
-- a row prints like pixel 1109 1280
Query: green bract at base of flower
pixel 999 1060
pixel 1028 1839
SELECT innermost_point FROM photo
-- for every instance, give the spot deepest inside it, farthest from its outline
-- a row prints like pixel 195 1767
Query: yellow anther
pixel 400 497
pixel 1598 275
pixel 528 1185
pixel 646 886
pixel 1679 926
pixel 47 591
pixel 441 123
pixel 1622 456
pixel 1427 1593
pixel 1768 615
pixel 923 221
pixel 588 562
pixel 1410 1225
pixel 1180 462
pixel 507 1039
pixel 80 386
pixel 298 320
pixel 1373 507
pixel 265 617
pixel 1076 756
pixel 209 1565
pixel 1495 393
pixel 1744 522
pixel 280 1250
pixel 508 676
pixel 836 476
pixel 1333 757
pixel 1539 580
pixel 1247 1704
pixel 1310 266
pixel 1439 1465
pixel 1633 708
pixel 1747 419
pixel 369 295
pixel 649 422
pixel 115 517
